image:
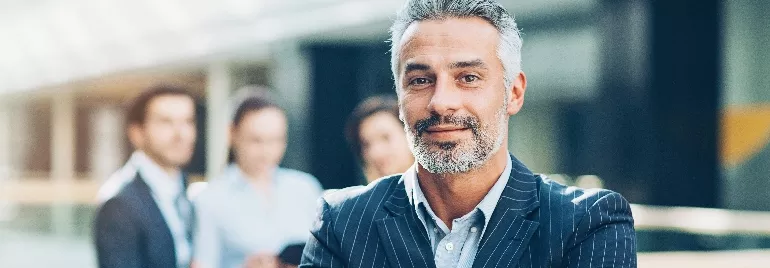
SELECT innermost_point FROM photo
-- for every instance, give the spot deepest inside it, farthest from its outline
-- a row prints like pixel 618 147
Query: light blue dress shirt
pixel 456 247
pixel 235 221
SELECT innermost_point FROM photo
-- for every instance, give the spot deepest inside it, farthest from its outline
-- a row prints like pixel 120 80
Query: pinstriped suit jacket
pixel 537 223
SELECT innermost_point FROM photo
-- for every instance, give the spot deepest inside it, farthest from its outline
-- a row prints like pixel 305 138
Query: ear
pixel 516 94
pixel 135 136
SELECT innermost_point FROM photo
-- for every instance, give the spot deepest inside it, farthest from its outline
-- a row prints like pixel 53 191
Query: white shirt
pixel 165 190
pixel 117 180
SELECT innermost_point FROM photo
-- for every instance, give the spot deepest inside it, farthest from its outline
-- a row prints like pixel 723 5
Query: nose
pixel 446 99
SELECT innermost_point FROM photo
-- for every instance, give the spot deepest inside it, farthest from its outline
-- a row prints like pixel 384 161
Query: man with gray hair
pixel 466 202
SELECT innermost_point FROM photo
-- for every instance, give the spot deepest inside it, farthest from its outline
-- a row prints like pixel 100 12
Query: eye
pixel 419 81
pixel 469 78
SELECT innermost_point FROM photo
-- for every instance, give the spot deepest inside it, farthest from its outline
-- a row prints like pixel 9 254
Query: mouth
pixel 445 132
pixel 446 127
pixel 442 129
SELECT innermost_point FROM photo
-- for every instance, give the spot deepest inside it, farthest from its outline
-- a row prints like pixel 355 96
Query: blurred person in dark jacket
pixel 149 222
pixel 377 138
pixel 256 210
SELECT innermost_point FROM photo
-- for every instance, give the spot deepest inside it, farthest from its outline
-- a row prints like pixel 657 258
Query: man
pixel 466 202
pixel 149 222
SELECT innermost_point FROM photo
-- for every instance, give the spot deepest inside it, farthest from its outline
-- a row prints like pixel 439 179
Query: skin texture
pixel 450 69
pixel 383 145
pixel 168 133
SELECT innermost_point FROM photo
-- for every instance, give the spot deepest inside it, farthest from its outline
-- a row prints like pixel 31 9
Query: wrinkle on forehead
pixel 454 39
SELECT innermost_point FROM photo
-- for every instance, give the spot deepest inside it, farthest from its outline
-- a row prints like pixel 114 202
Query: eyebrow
pixel 468 64
pixel 415 67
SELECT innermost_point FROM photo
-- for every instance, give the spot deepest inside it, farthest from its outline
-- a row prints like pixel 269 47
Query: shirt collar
pixel 486 206
pixel 234 175
pixel 161 184
pixel 132 161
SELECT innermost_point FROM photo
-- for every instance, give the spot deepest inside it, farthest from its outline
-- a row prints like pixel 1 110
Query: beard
pixel 460 156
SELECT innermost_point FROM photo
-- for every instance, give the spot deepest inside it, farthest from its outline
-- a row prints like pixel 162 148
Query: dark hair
pixel 250 104
pixel 365 109
pixel 137 110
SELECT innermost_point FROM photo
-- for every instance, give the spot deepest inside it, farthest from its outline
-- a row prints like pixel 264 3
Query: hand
pixel 262 261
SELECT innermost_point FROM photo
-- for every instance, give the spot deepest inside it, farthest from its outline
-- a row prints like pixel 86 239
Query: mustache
pixel 469 122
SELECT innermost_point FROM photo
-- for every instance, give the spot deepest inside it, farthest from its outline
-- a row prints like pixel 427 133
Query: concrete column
pixel 5 158
pixel 5 141
pixel 63 160
pixel 218 87
pixel 290 79
pixel 107 145
pixel 13 141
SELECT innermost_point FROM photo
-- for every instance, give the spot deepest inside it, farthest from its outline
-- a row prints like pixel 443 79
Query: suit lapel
pixel 154 217
pixel 509 231
pixel 402 235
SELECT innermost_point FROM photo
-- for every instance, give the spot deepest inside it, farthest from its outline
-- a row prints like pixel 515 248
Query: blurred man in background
pixel 467 202
pixel 149 222
pixel 377 138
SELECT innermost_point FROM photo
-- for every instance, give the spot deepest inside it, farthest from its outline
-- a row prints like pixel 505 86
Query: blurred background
pixel 666 102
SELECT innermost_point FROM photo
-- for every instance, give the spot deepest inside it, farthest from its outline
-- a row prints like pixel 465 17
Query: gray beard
pixel 462 156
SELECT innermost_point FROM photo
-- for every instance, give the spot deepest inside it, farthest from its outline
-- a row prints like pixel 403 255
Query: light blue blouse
pixel 235 221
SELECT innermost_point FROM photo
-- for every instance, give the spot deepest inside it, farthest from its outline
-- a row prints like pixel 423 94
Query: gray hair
pixel 509 49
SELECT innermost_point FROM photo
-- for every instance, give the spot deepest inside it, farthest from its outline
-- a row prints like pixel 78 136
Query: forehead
pixel 449 40
pixel 257 121
pixel 171 105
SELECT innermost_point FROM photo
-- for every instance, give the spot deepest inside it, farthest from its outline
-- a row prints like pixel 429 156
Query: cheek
pixel 278 151
pixel 191 133
pixel 486 109
pixel 370 154
pixel 159 135
pixel 414 107
pixel 247 150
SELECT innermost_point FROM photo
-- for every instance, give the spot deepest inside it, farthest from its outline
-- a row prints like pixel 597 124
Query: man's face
pixel 452 94
pixel 168 133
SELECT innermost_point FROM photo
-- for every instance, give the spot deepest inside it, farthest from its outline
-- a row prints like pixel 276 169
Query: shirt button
pixel 450 246
pixel 474 229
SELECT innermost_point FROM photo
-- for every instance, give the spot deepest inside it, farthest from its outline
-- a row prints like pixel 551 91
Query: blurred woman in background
pixel 256 209
pixel 377 138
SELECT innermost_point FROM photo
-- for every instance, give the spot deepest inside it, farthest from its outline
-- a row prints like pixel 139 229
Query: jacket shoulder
pixel 560 194
pixel 361 199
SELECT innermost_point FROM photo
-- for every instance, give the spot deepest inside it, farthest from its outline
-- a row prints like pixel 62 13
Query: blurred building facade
pixel 666 101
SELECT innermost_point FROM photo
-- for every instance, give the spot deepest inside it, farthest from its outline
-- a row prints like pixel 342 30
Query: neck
pixel 452 196
pixel 258 176
pixel 173 172
pixel 170 170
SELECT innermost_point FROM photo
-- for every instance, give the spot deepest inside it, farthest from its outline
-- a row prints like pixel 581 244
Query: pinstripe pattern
pixel 537 223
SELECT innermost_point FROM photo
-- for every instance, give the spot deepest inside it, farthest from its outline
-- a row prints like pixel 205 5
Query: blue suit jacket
pixel 130 231
pixel 537 223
